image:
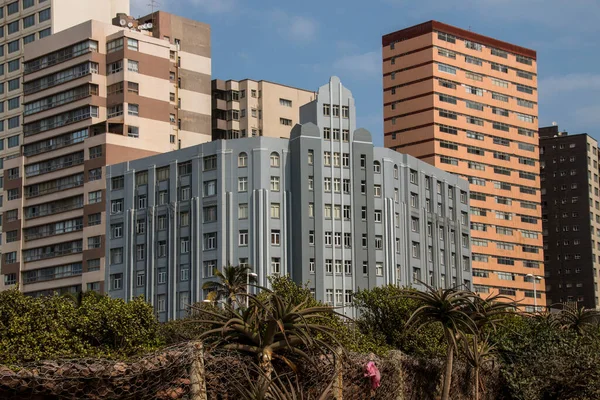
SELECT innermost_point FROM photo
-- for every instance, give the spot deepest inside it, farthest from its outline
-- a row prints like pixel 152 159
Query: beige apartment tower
pixel 467 103
pixel 249 108
pixel 24 22
pixel 95 94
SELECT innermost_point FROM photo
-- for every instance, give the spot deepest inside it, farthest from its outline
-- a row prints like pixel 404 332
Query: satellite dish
pixel 130 25
pixel 149 25
pixel 554 123
pixel 123 22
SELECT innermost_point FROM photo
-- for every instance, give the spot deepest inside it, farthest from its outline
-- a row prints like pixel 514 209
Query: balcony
pixel 54 164
pixel 52 254
pixel 49 274
pixel 57 121
pixel 59 78
pixel 54 143
pixel 219 104
pixel 36 193
pixel 60 56
pixel 53 208
pixel 51 232
pixel 60 99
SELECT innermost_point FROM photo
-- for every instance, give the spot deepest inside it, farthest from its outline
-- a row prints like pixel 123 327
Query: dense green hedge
pixel 53 327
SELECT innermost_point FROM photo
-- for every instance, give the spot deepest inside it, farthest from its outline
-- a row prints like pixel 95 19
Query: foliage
pixel 279 386
pixel 383 313
pixel 53 327
pixel 270 328
pixel 541 361
pixel 231 284
pixel 578 319
pixel 348 336
pixel 188 329
pixel 452 309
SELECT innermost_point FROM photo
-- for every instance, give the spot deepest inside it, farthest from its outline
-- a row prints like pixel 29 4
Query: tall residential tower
pixel 467 103
pixel 570 217
pixel 95 94
pixel 27 21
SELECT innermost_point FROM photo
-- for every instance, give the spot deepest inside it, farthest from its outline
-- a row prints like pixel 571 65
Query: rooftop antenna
pixel 153 4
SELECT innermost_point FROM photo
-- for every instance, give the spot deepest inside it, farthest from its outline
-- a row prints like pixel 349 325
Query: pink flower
pixel 371 371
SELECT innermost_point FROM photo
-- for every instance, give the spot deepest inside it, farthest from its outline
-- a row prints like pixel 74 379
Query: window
pixel 275 265
pixel 116 206
pixel 132 44
pixel 242 184
pixel 133 109
pixel 132 65
pixel 116 256
pixel 416 250
pixel 275 183
pixel 95 197
pixel 210 241
pixel 242 160
pixel 275 210
pixel 446 37
pixel 274 160
pixel 285 121
pixel 524 60
pixel 13 46
pixel 94 219
pixel 243 211
pixel 275 237
pixel 447 69
pixel 13 27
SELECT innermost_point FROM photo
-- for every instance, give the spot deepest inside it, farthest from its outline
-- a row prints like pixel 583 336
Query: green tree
pixel 450 309
pixel 51 327
pixel 270 328
pixel 231 284
pixel 383 312
pixel 578 319
pixel 478 353
pixel 345 331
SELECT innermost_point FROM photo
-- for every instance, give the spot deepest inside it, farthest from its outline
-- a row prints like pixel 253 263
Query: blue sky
pixel 302 43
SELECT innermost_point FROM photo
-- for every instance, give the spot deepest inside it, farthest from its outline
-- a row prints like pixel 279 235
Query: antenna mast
pixel 153 4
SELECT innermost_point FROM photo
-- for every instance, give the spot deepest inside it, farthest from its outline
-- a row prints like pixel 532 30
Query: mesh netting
pixel 160 375
pixel 180 371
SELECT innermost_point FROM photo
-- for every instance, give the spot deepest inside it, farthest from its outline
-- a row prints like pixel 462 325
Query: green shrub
pixel 52 327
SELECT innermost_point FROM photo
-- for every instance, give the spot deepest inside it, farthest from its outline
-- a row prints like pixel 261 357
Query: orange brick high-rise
pixel 467 103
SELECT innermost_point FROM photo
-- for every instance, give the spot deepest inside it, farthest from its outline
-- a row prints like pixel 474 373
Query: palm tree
pixel 269 328
pixel 231 284
pixel 578 319
pixel 449 308
pixel 478 353
pixel 488 311
pixel 279 387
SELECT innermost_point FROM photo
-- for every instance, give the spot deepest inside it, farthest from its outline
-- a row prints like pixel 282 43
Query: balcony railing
pixel 31 89
pixel 50 232
pixel 54 210
pixel 56 58
pixel 41 277
pixel 36 193
pixel 37 127
pixel 52 254
pixel 60 144
pixel 50 105
pixel 55 167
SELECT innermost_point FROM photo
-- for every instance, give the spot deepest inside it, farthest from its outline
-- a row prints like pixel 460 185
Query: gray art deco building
pixel 324 206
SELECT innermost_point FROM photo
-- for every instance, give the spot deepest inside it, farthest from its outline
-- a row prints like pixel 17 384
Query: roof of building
pixel 430 26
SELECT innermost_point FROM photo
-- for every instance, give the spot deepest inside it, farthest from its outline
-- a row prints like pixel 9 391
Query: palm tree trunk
pixel 266 365
pixel 477 383
pixel 448 374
